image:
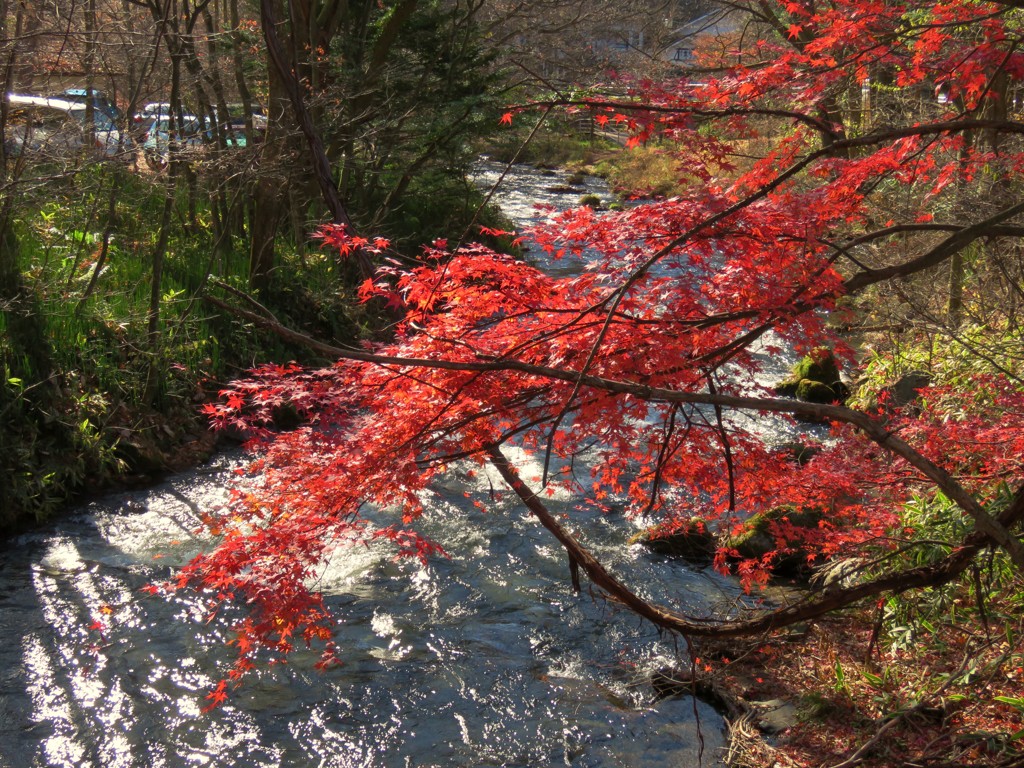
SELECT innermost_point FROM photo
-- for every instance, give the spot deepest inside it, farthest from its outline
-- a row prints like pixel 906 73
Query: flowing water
pixel 528 195
pixel 484 658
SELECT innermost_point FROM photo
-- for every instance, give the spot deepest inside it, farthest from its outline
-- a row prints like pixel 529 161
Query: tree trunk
pixel 26 336
pixel 955 290
pixel 267 199
pixel 155 368
pixel 282 67
pixel 238 61
pixel 271 193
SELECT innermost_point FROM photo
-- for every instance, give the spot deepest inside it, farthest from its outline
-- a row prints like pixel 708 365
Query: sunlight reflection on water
pixel 483 659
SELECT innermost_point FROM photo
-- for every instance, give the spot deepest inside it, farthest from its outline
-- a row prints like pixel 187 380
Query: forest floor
pixel 880 699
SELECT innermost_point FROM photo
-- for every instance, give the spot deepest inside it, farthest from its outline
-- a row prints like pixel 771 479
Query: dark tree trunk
pixel 30 349
pixel 271 193
pixel 267 200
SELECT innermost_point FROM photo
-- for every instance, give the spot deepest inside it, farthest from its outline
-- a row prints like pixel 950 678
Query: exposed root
pixel 747 748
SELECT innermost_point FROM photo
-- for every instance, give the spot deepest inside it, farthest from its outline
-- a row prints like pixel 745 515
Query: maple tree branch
pixel 952 244
pixel 876 430
pixel 508 167
pixel 611 303
pixel 830 599
pixel 956 242
pixel 879 136
pixel 1000 230
pixel 800 117
pixel 726 447
pixel 664 453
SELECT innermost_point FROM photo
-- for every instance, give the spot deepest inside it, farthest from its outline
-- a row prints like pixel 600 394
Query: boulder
pixel 286 417
pixel 690 539
pixel 902 393
pixel 904 390
pixel 139 456
pixel 562 189
pixel 758 538
pixel 815 379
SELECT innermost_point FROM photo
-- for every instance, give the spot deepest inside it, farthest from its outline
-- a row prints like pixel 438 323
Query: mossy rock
pixel 139 456
pixel 811 391
pixel 758 537
pixel 690 539
pixel 819 365
pixel 591 201
pixel 905 390
pixel 287 417
pixel 815 379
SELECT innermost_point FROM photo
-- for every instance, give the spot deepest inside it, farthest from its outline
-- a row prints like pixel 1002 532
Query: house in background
pixel 654 36
pixel 717 29
pixel 599 36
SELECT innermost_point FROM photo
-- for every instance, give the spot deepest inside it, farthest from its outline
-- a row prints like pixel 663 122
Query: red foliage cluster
pixel 654 348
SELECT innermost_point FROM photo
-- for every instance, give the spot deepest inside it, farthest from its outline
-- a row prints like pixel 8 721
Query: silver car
pixel 54 128
pixel 182 134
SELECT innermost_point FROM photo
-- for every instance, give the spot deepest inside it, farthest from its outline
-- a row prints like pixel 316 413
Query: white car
pixel 56 128
pixel 156 110
pixel 187 132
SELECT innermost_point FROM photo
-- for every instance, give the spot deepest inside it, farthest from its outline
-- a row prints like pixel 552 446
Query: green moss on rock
pixel 815 379
pixel 760 537
pixel 811 391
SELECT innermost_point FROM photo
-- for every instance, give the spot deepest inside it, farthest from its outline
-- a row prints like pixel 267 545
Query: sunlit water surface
pixel 485 658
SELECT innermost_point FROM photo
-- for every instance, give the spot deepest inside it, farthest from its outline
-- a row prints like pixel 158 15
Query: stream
pixel 486 658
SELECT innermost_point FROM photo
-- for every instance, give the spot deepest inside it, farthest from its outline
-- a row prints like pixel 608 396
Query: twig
pixel 244 297
pixel 858 756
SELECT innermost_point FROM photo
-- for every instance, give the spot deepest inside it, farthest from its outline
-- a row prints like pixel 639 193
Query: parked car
pixel 99 102
pixel 233 124
pixel 56 128
pixel 143 119
pixel 166 134
pixel 192 136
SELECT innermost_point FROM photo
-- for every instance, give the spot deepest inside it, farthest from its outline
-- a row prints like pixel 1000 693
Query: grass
pixel 559 144
pixel 115 403
pixel 646 171
pixel 121 401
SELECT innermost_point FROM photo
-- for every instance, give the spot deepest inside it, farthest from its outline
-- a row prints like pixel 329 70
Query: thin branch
pixel 830 599
pixel 952 244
